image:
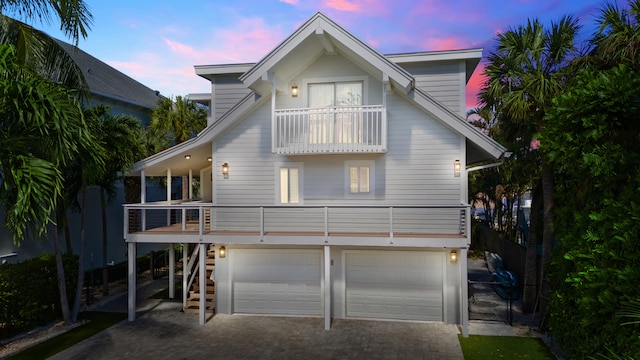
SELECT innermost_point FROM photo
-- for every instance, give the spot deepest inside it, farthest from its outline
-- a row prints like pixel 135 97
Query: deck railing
pixel 199 218
pixel 344 129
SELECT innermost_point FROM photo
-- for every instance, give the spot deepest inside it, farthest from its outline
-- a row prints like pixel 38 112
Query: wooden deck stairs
pixel 194 294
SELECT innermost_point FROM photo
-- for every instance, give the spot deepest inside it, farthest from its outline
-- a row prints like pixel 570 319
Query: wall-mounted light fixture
pixel 209 159
pixel 457 166
pixel 453 256
pixel 225 170
pixel 294 90
pixel 187 156
pixel 222 252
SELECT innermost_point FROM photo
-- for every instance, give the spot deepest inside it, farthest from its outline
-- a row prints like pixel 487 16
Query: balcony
pixel 440 226
pixel 331 130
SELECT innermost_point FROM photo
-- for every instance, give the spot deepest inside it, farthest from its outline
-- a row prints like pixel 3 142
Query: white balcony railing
pixel 323 221
pixel 338 130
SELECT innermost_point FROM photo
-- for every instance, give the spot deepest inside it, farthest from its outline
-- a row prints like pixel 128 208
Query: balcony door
pixel 334 117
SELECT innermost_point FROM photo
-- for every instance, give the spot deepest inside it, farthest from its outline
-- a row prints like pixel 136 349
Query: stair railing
pixel 192 273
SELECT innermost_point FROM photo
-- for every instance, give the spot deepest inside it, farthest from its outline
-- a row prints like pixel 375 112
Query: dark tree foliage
pixel 593 140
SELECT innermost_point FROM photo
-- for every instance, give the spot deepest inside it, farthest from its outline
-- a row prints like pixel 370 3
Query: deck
pixel 439 226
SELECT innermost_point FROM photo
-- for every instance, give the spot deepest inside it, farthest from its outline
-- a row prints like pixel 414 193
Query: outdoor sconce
pixel 225 170
pixel 456 168
pixel 453 256
pixel 209 159
pixel 187 156
pixel 294 90
pixel 222 252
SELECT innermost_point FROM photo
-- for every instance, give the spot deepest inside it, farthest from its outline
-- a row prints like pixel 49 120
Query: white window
pixel 335 119
pixel 359 178
pixel 289 176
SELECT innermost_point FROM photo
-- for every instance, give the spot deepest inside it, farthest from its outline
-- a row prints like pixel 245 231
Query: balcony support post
pixel 261 224
pixel 168 196
pixel 390 224
pixel 131 291
pixel 172 271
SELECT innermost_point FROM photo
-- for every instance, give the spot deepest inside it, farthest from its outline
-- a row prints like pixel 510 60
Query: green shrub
pixel 29 294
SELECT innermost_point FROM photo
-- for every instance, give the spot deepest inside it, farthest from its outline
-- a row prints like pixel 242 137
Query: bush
pixel 29 295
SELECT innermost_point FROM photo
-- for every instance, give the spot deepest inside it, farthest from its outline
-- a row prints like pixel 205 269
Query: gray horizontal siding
pixel 416 170
pixel 226 96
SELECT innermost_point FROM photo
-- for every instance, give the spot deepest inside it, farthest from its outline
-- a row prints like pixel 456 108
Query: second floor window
pixel 334 118
pixel 289 185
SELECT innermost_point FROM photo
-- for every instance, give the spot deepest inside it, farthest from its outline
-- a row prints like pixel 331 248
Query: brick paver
pixel 161 331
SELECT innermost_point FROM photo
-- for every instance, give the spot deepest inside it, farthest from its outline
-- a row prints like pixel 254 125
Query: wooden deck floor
pixel 193 230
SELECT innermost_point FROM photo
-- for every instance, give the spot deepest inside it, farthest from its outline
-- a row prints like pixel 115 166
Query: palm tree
pixel 617 40
pixel 179 120
pixel 173 123
pixel 524 73
pixel 42 129
pixel 122 137
pixel 42 125
pixel 35 50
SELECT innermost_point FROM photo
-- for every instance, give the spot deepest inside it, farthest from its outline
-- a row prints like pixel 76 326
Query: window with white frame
pixel 290 176
pixel 359 178
pixel 333 120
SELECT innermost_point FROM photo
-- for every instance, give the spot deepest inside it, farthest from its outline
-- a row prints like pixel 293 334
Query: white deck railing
pixel 199 218
pixel 345 129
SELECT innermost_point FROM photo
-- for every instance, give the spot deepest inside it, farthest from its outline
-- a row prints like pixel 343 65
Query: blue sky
pixel 158 42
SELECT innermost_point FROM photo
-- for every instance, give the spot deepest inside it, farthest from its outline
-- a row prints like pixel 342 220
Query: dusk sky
pixel 158 42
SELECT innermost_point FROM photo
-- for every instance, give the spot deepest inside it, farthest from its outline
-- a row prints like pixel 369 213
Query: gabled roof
pixel 103 80
pixel 317 36
pixel 333 38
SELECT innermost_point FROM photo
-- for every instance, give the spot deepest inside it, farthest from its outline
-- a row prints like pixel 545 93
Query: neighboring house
pixel 109 86
pixel 125 96
pixel 333 182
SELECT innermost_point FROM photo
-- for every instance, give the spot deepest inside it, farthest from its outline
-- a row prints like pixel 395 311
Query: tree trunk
pixel 67 233
pixel 105 270
pixel 62 284
pixel 548 235
pixel 79 286
pixel 530 290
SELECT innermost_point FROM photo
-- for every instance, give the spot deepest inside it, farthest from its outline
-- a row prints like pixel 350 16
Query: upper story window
pixel 335 94
pixel 329 124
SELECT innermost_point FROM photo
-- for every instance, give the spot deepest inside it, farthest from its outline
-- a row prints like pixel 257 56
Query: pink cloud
pixel 342 5
pixel 476 82
pixel 291 2
pixel 449 43
pixel 181 49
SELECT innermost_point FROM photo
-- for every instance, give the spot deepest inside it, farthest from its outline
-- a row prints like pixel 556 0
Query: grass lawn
pixel 477 347
pixel 97 321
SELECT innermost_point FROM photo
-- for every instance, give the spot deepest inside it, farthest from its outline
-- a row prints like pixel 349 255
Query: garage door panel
pixel 270 281
pixel 394 285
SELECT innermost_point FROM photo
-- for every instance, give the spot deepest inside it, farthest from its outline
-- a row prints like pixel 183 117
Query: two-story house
pixel 332 183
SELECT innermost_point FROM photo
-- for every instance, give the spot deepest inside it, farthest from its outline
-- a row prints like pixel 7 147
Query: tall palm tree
pixel 524 73
pixel 173 123
pixel 617 40
pixel 35 50
pixel 179 120
pixel 122 137
pixel 42 129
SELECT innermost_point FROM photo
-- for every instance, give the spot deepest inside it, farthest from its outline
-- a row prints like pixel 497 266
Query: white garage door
pixel 273 281
pixel 394 285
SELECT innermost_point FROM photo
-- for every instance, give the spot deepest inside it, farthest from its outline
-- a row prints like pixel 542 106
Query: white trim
pixel 347 179
pixel 335 79
pixel 276 176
